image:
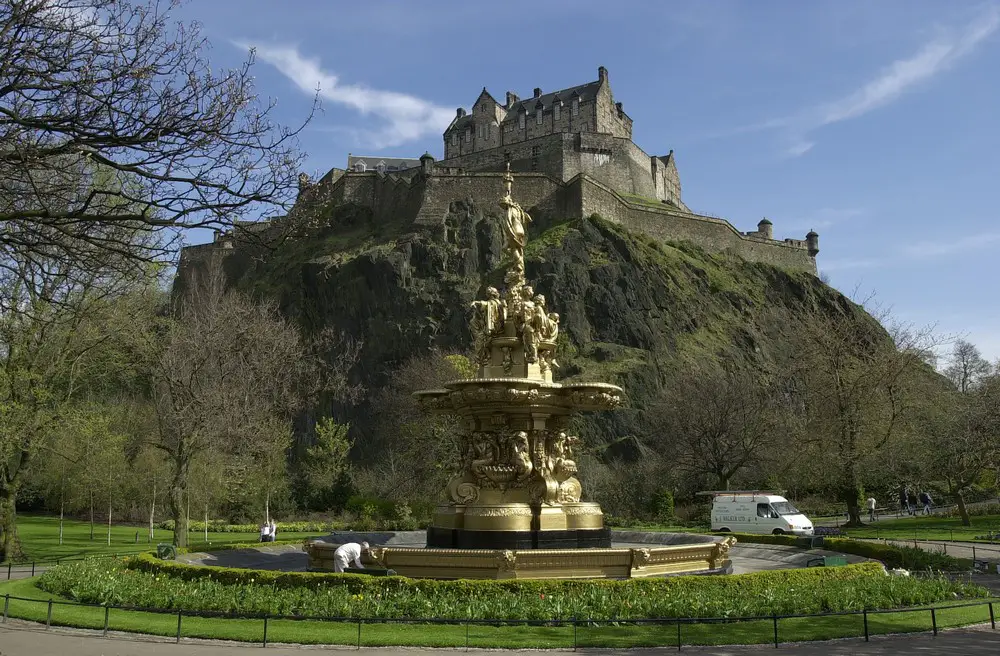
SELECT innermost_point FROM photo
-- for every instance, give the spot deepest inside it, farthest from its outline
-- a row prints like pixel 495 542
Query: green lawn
pixel 428 635
pixel 927 527
pixel 40 538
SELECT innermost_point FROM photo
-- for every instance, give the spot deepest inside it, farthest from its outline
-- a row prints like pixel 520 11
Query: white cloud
pixel 937 248
pixel 404 117
pixel 827 217
pixel 891 83
pixel 921 250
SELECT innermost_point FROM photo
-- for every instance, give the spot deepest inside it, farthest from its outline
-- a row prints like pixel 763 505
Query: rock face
pixel 627 302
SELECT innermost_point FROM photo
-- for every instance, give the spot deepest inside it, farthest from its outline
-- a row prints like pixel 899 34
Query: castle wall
pixel 542 155
pixel 534 191
pixel 667 224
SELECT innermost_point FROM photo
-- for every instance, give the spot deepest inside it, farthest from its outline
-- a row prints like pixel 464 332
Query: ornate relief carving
pixel 507 561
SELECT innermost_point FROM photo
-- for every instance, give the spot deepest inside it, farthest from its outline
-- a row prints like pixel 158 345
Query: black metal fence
pixel 14 570
pixel 674 627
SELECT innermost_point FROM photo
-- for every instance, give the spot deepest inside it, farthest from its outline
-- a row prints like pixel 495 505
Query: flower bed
pixel 146 582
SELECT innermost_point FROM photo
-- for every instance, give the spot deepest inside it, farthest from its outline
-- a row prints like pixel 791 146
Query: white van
pixel 757 512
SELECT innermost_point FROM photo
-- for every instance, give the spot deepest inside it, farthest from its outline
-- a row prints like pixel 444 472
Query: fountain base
pixel 461 538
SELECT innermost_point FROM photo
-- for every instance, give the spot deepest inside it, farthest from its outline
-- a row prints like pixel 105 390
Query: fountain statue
pixel 515 484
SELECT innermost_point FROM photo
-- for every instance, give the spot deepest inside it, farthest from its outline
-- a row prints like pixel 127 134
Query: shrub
pixel 663 505
pixel 890 555
pixel 146 582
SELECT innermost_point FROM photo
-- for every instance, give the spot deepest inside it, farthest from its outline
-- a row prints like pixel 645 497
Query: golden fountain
pixel 514 505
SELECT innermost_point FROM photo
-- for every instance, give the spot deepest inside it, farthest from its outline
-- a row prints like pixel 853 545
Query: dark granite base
pixel 458 538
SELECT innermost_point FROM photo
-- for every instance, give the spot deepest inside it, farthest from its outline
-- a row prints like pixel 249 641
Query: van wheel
pixel 724 530
pixel 777 531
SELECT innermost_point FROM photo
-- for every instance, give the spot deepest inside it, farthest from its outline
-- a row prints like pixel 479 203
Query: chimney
pixel 602 74
pixel 618 106
pixel 538 92
pixel 459 113
pixel 511 99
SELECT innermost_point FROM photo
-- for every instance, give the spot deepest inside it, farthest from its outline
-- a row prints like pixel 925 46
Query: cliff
pixel 628 304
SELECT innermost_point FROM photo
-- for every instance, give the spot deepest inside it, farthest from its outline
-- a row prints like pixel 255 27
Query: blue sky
pixel 875 123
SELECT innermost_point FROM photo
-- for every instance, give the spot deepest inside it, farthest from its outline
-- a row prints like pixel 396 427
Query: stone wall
pixel 534 191
pixel 670 224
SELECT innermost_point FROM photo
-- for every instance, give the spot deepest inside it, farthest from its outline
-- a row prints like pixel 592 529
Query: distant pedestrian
pixel 904 501
pixel 265 532
pixel 274 531
pixel 925 501
pixel 871 509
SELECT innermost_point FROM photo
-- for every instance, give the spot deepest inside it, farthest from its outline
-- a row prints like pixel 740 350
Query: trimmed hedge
pixel 146 582
pixel 890 555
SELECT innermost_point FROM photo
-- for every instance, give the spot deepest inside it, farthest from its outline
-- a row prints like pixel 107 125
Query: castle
pixel 572 154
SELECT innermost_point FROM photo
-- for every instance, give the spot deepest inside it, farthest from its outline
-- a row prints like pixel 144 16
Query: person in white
pixel 871 509
pixel 265 532
pixel 273 531
pixel 346 553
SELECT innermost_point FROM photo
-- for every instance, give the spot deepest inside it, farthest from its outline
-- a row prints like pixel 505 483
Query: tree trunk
pixel 962 510
pixel 267 508
pixel 206 523
pixel 10 544
pixel 91 515
pixel 109 518
pixel 152 513
pixel 62 505
pixel 180 518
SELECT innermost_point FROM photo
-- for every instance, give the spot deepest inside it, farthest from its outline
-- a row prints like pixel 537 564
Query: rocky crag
pixel 630 305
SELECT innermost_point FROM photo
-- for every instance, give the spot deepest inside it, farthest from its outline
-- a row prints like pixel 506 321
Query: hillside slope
pixel 627 303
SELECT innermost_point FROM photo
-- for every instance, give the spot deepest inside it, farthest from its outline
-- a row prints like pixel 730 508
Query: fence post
pixel 864 613
pixel 359 634
pixel 574 634
pixel 775 617
pixel 6 605
pixel 934 621
pixel 8 571
pixel 993 621
pixel 48 616
pixel 678 634
pixel 179 626
pixel 467 635
pixel 265 631
pixel 32 568
pixel 107 611
pixel 973 553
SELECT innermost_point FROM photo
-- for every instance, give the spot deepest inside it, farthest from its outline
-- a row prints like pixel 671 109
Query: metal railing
pixel 37 565
pixel 575 623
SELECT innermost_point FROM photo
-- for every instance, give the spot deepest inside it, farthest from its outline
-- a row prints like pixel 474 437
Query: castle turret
pixel 602 74
pixel 765 229
pixel 427 163
pixel 812 241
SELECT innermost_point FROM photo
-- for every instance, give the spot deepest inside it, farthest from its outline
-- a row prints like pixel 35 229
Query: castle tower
pixel 812 241
pixel 765 229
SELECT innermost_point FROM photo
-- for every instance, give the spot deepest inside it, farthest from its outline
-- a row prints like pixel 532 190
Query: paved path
pixel 24 639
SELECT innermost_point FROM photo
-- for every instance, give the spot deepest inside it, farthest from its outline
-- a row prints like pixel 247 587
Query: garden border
pixel 575 622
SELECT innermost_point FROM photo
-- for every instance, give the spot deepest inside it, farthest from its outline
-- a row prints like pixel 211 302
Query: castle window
pixel 380 167
pixel 575 107
pixel 538 117
pixel 520 120
pixel 359 167
pixel 468 135
pixel 556 111
pixel 454 138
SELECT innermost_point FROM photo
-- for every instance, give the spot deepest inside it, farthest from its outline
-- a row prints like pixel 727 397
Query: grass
pixel 418 634
pixel 40 538
pixel 927 527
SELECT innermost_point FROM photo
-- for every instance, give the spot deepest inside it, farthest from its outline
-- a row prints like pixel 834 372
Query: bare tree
pixel 856 385
pixel 716 420
pixel 156 136
pixel 228 370
pixel 967 366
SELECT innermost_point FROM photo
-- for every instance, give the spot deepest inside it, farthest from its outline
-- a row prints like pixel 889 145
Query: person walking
pixel 265 531
pixel 871 509
pixel 904 500
pixel 925 501
pixel 346 553
pixel 274 530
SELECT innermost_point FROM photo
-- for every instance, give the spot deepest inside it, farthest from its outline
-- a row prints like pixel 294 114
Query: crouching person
pixel 346 553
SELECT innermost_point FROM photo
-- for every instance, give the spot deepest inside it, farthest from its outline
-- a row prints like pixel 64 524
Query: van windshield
pixel 785 508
